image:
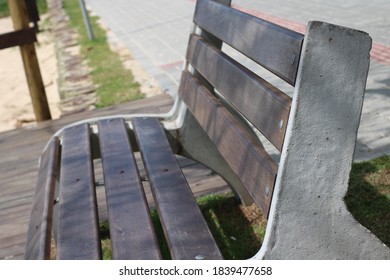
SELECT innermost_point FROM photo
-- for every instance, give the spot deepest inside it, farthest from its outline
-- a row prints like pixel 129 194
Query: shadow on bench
pixel 225 117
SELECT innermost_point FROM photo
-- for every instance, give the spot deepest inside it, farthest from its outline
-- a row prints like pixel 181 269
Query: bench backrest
pixel 315 130
pixel 259 102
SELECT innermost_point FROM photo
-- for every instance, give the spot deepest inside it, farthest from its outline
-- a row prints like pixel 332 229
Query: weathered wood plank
pixel 78 228
pixel 274 47
pixel 255 167
pixel 131 229
pixel 210 37
pixel 17 38
pixel 186 231
pixel 15 252
pixel 263 104
pixel 40 226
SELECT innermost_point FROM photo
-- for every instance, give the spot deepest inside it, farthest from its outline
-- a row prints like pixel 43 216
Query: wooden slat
pixel 40 226
pixel 256 169
pixel 274 47
pixel 210 37
pixel 78 229
pixel 185 229
pixel 17 38
pixel 263 104
pixel 131 229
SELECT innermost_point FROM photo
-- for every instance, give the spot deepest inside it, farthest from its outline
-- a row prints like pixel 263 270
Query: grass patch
pixel 4 11
pixel 115 83
pixel 238 230
pixel 368 196
pixel 106 242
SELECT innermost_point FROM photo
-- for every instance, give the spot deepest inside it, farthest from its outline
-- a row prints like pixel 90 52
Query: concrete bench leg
pixel 308 217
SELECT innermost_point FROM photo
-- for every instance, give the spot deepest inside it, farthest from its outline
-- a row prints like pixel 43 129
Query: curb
pixel 75 86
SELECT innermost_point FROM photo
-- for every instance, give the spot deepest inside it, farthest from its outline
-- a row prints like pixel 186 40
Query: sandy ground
pixel 15 102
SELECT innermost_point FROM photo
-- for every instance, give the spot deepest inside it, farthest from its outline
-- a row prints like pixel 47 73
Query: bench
pixel 225 116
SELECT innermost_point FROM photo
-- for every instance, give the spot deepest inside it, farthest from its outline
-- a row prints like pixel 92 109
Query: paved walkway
pixel 156 33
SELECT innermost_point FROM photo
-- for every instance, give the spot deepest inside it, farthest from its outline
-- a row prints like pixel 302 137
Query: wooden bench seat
pixel 227 117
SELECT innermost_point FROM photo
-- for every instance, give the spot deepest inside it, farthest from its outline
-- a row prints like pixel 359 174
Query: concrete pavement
pixel 156 34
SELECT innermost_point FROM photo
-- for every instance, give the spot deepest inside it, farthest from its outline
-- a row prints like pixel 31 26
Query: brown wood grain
pixel 40 225
pixel 274 47
pixel 265 106
pixel 185 229
pixel 17 38
pixel 244 154
pixel 131 229
pixel 78 227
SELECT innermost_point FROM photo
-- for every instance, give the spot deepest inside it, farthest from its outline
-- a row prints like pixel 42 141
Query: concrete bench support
pixel 308 217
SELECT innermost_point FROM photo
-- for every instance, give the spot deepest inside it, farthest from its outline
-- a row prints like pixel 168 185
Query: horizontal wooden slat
pixel 263 104
pixel 186 231
pixel 131 229
pixel 40 226
pixel 78 232
pixel 246 156
pixel 274 47
pixel 17 38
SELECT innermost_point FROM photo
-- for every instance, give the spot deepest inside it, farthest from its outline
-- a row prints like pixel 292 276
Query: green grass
pixel 3 8
pixel 115 83
pixel 239 230
pixel 368 197
pixel 4 12
pixel 42 6
pixel 106 242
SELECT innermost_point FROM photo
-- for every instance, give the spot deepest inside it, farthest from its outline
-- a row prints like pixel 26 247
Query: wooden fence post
pixel 20 21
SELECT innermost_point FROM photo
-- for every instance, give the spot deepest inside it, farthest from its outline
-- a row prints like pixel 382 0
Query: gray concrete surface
pixel 156 34
pixel 308 218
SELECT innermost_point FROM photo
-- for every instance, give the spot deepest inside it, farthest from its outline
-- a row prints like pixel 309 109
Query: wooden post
pixel 20 20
